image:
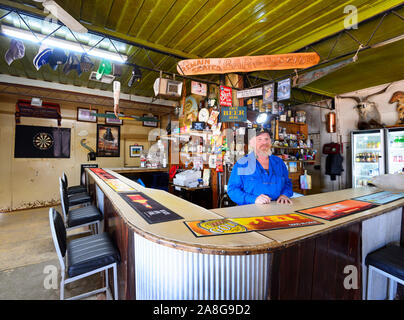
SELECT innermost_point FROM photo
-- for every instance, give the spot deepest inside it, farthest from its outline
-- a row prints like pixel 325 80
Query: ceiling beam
pixel 84 90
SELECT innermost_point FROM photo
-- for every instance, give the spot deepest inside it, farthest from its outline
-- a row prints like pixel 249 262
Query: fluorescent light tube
pixel 63 16
pixel 62 44
pixel 388 41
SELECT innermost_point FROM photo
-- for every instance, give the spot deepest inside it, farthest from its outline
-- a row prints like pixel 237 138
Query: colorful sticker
pixel 338 210
pixel 203 228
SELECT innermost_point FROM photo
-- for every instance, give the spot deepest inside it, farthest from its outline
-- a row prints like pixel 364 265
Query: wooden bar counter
pixel 166 261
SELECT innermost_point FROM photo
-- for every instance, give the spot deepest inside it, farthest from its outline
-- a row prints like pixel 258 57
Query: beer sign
pixel 233 114
pixel 225 96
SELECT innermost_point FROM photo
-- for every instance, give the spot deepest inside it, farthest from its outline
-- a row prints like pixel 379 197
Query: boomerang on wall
pixel 248 63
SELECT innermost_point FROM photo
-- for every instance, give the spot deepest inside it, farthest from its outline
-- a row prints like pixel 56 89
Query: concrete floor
pixel 27 256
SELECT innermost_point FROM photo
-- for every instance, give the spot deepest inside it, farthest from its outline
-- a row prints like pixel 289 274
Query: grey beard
pixel 263 153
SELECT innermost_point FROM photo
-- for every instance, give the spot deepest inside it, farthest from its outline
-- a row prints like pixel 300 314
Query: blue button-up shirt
pixel 249 179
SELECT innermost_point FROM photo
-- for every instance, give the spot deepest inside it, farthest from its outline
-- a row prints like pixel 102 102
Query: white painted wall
pixel 347 119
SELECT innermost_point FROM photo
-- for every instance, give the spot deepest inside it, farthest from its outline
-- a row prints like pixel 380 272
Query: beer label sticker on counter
pixel 204 228
pixel 118 185
pixel 336 210
pixel 102 173
pixel 382 197
pixel 149 209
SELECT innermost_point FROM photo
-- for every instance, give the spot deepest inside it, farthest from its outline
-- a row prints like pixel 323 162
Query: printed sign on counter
pixel 337 210
pixel 102 173
pixel 382 197
pixel 149 209
pixel 204 228
pixel 118 185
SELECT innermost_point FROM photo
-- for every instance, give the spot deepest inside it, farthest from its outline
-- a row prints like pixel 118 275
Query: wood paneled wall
pixel 314 268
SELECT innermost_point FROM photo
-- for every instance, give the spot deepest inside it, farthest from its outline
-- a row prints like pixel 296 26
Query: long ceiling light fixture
pixel 62 44
pixel 388 41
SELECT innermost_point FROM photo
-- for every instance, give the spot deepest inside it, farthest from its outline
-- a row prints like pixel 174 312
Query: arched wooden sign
pixel 248 63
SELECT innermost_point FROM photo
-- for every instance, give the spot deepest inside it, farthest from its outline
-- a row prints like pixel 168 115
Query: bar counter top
pixel 177 235
pixel 137 169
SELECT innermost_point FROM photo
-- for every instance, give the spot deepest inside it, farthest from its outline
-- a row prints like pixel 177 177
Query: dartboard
pixel 43 141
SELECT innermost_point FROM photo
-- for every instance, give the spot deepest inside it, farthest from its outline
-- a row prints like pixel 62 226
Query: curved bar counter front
pixel 166 261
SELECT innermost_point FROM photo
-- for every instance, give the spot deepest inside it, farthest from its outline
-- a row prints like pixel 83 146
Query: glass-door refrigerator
pixel 394 150
pixel 368 158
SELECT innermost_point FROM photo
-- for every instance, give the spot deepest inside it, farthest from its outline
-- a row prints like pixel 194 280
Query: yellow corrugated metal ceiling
pixel 172 30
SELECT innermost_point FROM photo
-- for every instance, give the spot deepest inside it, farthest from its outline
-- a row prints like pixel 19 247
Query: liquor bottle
pixel 276 129
pixel 289 114
pixel 292 116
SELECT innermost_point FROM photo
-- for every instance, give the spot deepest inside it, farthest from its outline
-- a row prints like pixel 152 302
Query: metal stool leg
pixel 115 282
pixel 391 289
pixel 369 282
pixel 62 288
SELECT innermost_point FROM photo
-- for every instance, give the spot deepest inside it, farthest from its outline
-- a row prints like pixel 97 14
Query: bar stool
pixel 84 216
pixel 72 189
pixel 389 262
pixel 83 257
pixel 74 199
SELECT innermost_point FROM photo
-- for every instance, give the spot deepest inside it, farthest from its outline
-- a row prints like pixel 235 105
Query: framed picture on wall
pixel 268 93
pixel 150 123
pixel 113 120
pixel 87 115
pixel 135 151
pixel 108 140
pixel 283 89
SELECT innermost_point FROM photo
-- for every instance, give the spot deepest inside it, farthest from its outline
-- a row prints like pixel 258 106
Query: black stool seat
pixel 83 215
pixel 79 198
pixel 89 253
pixel 388 259
pixel 76 189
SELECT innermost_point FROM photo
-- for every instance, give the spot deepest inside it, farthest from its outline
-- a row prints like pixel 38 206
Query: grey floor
pixel 29 267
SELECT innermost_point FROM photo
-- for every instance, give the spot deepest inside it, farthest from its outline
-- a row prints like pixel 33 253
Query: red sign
pixel 102 173
pixel 225 96
pixel 337 210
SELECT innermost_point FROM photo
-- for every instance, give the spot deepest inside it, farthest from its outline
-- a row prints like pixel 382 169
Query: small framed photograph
pixel 150 123
pixel 268 93
pixel 113 120
pixel 199 88
pixel 135 151
pixel 87 115
pixel 283 90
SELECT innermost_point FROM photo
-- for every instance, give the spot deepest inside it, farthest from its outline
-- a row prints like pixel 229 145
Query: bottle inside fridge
pixel 367 160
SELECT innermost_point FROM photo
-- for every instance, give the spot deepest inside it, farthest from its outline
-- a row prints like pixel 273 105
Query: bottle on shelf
pixel 288 114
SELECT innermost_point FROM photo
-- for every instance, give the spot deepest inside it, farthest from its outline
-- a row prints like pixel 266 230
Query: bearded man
pixel 260 177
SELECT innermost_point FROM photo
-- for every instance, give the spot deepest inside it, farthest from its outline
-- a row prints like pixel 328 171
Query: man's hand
pixel 283 200
pixel 262 199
